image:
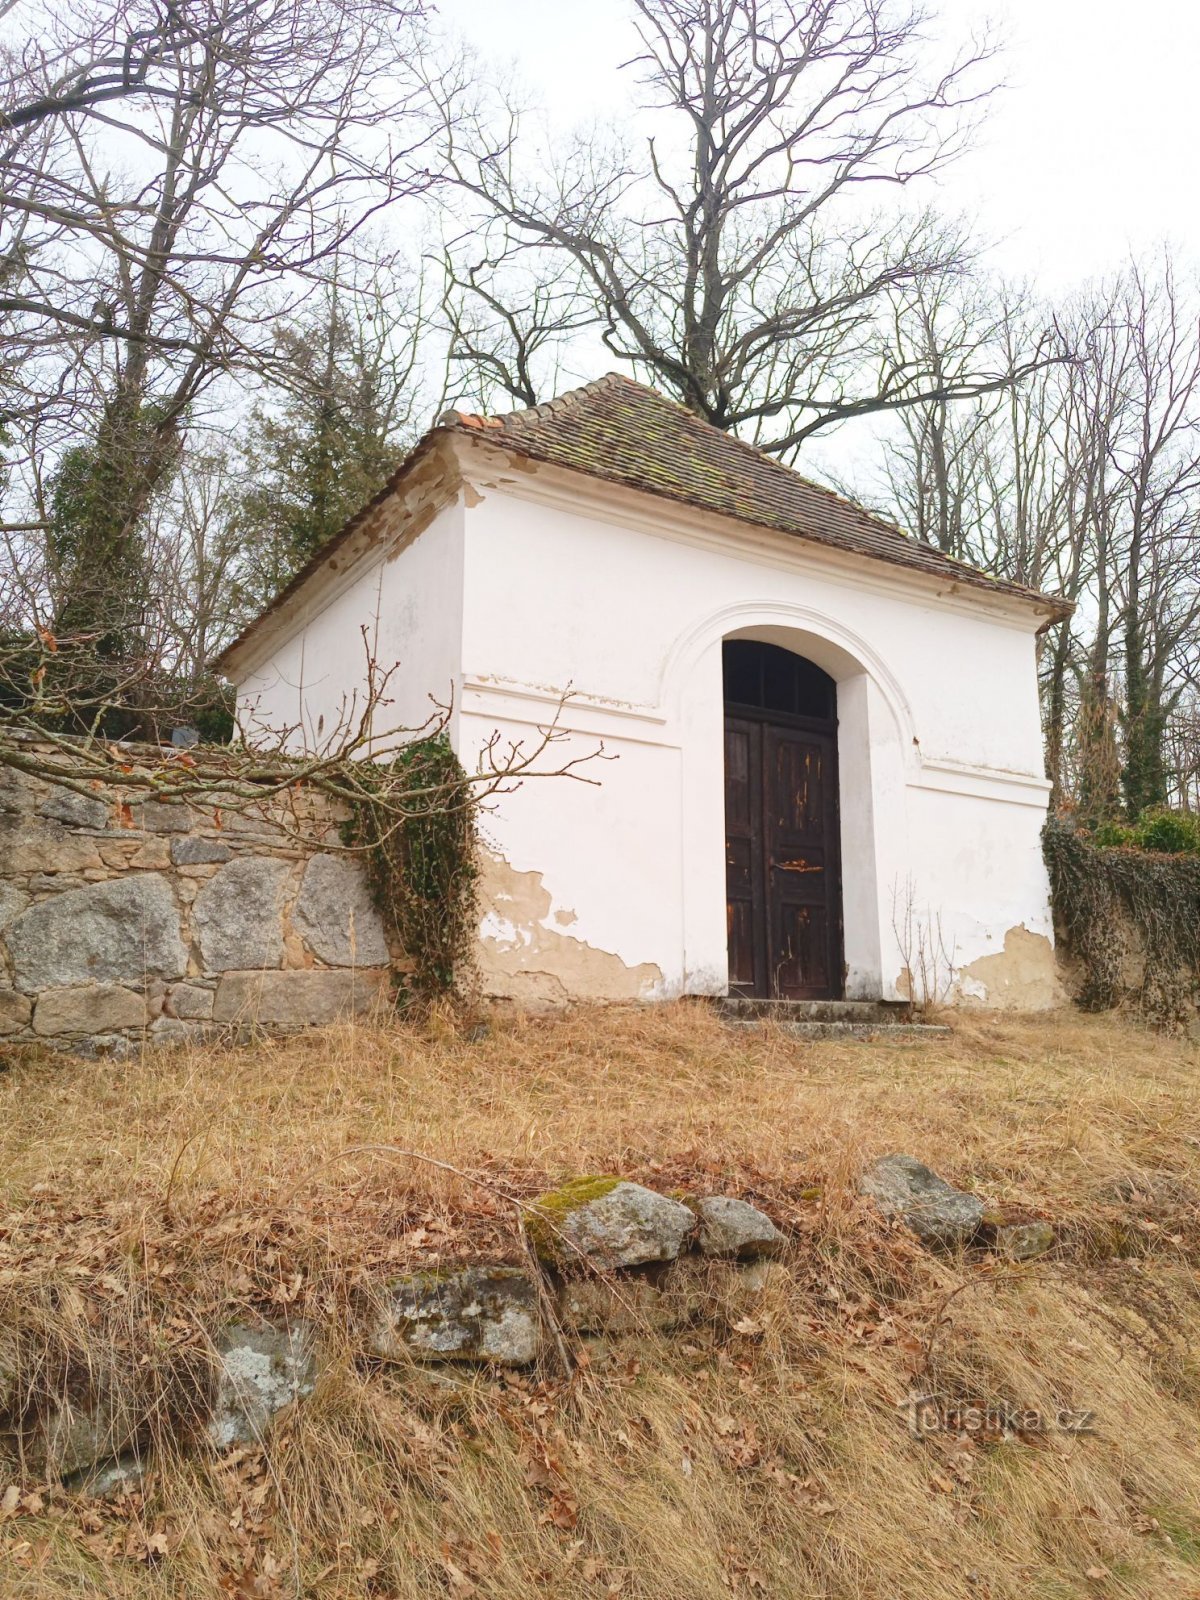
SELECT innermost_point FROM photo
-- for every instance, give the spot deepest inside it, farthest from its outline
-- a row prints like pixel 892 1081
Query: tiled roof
pixel 626 433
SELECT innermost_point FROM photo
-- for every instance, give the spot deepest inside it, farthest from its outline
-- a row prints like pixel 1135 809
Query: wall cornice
pixel 981 783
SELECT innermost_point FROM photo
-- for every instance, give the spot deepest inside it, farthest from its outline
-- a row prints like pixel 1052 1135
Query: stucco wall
pixel 613 884
pixel 124 920
pixel 404 606
pixel 942 793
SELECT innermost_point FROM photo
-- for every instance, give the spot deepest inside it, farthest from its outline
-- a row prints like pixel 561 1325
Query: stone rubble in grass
pixel 113 1478
pixel 940 1215
pixel 610 1222
pixel 260 1372
pixel 730 1228
pixel 758 1276
pixel 79 1432
pixel 1021 1241
pixel 482 1313
pixel 708 1261
pixel 618 1307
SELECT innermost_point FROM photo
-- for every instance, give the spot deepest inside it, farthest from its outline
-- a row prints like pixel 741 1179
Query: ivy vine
pixel 1115 901
pixel 416 825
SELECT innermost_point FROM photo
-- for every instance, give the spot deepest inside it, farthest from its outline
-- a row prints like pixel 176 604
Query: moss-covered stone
pixel 548 1210
pixel 608 1222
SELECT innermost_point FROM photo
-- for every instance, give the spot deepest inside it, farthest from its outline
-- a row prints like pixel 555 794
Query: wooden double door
pixel 783 869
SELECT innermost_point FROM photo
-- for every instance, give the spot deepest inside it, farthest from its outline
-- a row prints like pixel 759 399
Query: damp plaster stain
pixel 524 956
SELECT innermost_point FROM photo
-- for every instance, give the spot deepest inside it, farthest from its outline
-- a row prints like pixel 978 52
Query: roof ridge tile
pixel 561 402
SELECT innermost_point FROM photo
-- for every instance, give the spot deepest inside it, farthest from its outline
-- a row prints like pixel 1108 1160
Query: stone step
pixel 881 1032
pixel 862 1012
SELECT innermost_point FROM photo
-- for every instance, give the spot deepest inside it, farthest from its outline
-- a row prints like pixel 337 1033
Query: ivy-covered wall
pixel 1127 909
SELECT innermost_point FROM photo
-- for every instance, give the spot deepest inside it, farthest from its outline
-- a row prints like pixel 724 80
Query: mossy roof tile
pixel 626 433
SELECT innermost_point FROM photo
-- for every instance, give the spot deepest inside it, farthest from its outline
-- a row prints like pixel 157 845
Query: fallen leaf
pixel 156 1545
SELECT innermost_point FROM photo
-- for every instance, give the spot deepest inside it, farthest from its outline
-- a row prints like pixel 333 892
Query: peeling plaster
pixel 523 957
pixel 425 491
pixel 1023 976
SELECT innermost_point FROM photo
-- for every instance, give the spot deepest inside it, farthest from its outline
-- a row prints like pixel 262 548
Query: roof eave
pixel 978 584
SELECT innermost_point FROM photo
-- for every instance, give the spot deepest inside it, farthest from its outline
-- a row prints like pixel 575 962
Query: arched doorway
pixel 783 863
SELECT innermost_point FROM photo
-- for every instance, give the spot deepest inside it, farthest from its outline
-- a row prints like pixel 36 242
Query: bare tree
pixel 1156 459
pixel 147 215
pixel 1083 478
pixel 511 313
pixel 977 477
pixel 739 264
pixel 172 180
pixel 993 480
pixel 198 558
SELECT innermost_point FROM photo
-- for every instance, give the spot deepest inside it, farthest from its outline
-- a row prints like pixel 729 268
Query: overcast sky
pixel 1091 150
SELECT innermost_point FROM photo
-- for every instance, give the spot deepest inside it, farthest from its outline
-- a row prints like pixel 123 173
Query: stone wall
pixel 123 919
pixel 632 1261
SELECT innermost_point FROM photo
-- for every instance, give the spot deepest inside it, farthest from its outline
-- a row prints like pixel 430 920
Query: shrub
pixel 416 824
pixel 1169 832
pixel 1114 836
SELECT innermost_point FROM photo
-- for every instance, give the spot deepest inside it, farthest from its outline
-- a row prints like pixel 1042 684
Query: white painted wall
pixel 939 739
pixel 540 582
pixel 309 672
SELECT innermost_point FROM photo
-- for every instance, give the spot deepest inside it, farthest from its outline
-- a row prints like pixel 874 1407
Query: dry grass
pixel 755 1454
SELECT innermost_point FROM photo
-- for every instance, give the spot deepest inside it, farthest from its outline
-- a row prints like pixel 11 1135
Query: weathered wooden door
pixel 783 877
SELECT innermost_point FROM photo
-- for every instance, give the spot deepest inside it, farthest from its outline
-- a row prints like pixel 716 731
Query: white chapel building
pixel 821 772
